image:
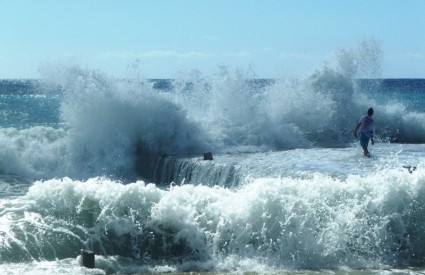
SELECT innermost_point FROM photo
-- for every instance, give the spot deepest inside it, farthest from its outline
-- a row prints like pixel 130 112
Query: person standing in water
pixel 366 126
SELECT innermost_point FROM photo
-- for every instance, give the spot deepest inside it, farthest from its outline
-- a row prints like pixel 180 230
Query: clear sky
pixel 282 38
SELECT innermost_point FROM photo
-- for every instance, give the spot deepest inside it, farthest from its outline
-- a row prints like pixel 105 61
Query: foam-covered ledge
pixel 183 170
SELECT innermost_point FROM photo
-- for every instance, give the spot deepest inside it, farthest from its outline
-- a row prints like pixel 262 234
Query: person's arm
pixel 372 139
pixel 355 130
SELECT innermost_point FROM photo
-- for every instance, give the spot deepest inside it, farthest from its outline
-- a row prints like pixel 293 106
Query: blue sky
pixel 275 38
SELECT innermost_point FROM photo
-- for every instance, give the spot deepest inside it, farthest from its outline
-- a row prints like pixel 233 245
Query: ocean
pixel 116 166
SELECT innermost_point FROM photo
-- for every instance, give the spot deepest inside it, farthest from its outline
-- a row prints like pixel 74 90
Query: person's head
pixel 370 112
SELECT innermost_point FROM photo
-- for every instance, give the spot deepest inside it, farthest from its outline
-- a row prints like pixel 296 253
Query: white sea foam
pixel 316 222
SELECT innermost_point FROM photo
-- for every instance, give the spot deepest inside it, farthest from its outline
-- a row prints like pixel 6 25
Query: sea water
pixel 88 161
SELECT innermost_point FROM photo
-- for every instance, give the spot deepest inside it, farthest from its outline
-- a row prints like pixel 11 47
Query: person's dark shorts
pixel 364 140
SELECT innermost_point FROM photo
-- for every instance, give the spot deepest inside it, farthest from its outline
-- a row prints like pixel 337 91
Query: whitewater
pixel 88 161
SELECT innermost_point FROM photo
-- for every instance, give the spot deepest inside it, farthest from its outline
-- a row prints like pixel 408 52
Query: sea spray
pixel 110 121
pixel 240 114
pixel 229 111
pixel 105 123
pixel 103 132
pixel 37 152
